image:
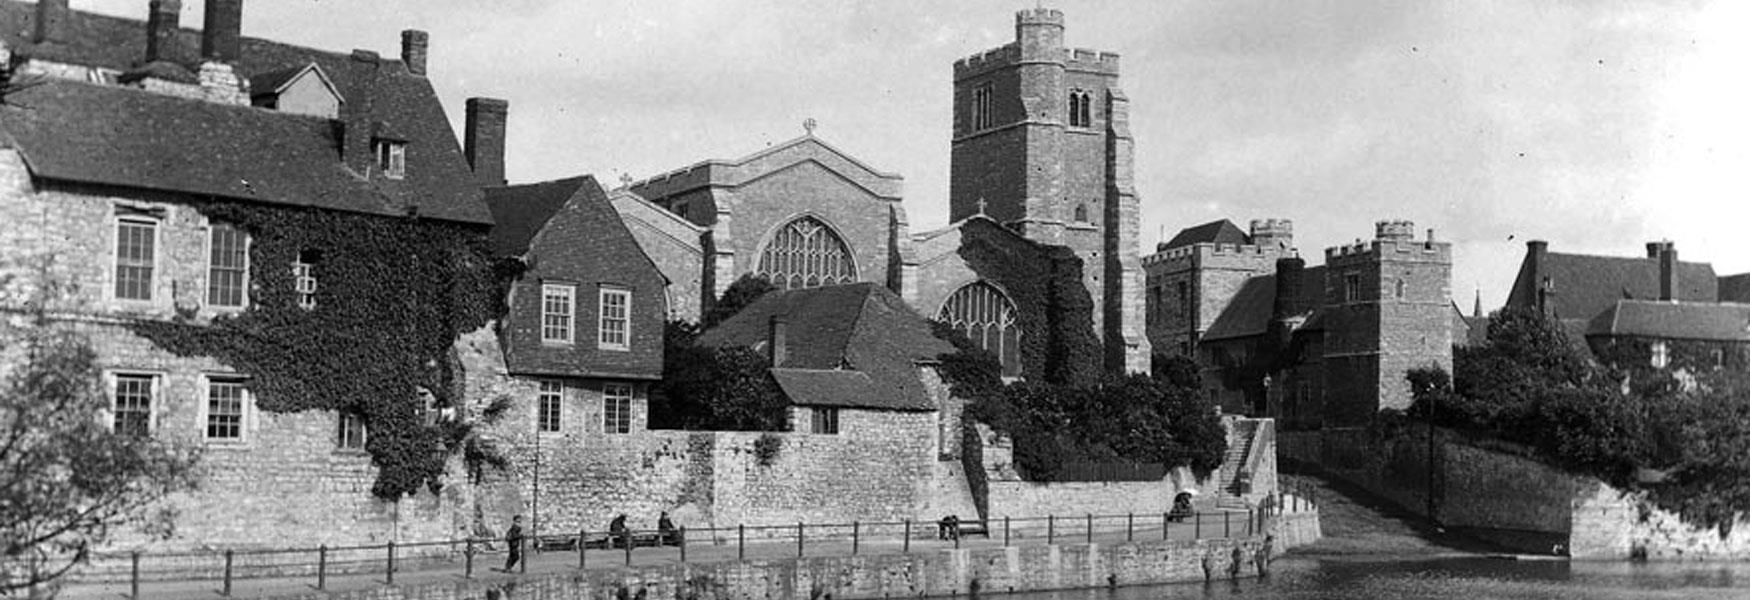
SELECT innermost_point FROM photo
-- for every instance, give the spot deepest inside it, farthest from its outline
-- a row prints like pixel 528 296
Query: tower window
pixel 981 108
pixel 1184 291
pixel 1081 213
pixel 1351 287
pixel 1400 289
pixel 1080 112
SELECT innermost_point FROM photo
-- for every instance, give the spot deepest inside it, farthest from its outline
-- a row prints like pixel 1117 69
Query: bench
pixel 975 528
pixel 606 541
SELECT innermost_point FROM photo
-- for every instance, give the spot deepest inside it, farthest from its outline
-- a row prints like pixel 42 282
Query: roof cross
pixel 981 205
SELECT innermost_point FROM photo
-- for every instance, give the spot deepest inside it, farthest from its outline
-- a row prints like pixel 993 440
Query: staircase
pixel 1239 444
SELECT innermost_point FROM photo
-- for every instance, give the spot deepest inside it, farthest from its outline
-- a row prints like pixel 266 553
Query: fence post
pixel 1050 529
pixel 683 543
pixel 956 534
pixel 907 546
pixel 582 545
pixel 322 567
pixel 227 591
pixel 740 542
pixel 1129 527
pixel 1090 528
pixel 854 537
pixel 391 563
pixel 627 539
pixel 799 534
pixel 1005 531
pixel 1166 521
pixel 467 559
pixel 1226 527
pixel 134 580
pixel 1197 533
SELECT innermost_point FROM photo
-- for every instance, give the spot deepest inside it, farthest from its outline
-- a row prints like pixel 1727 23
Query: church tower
pixel 1042 144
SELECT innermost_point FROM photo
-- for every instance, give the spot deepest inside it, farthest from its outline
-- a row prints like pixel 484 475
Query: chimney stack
pixel 1536 253
pixel 51 21
pixel 779 344
pixel 413 45
pixel 1667 271
pixel 222 35
pixel 483 140
pixel 162 24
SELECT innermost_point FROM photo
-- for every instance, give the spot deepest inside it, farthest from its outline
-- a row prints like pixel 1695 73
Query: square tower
pixel 1041 143
pixel 1388 309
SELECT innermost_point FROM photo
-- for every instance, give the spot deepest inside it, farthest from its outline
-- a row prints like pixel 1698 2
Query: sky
pixel 1595 125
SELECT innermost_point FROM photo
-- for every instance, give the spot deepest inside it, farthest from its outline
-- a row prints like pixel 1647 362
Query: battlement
pixel 1394 230
pixel 1205 253
pixel 1085 59
pixel 989 60
pixel 1039 16
pixel 1392 250
pixel 1273 232
pixel 684 178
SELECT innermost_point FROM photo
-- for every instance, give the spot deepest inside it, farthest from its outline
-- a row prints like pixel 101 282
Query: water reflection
pixel 1455 578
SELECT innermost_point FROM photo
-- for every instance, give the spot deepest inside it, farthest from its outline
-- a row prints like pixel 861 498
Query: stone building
pixel 1313 346
pixel 120 138
pixel 1041 150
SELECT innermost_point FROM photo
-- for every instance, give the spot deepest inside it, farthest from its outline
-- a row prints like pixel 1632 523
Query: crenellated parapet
pixel 1211 255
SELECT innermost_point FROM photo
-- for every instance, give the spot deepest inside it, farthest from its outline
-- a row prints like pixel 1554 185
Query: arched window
pixel 1081 215
pixel 1080 112
pixel 1400 290
pixel 806 253
pixel 987 316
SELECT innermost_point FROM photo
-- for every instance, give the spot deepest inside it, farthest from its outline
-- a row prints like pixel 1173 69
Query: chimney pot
pixel 413 48
pixel 162 25
pixel 483 139
pixel 1668 272
pixel 779 344
pixel 51 21
pixel 222 34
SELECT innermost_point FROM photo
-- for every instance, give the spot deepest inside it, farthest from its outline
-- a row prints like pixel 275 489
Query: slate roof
pixel 1674 320
pixel 1735 288
pixel 90 133
pixel 860 328
pixel 522 210
pixel 1213 232
pixel 1586 285
pixel 1248 313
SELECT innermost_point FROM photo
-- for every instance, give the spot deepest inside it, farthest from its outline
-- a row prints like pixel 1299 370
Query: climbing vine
pixel 392 295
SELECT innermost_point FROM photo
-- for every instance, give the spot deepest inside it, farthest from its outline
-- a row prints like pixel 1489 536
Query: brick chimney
pixel 413 45
pixel 51 21
pixel 483 139
pixel 162 23
pixel 222 35
pixel 356 113
pixel 1536 254
pixel 778 343
pixel 1666 253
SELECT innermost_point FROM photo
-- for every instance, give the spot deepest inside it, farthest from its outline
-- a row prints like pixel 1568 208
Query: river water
pixel 1389 578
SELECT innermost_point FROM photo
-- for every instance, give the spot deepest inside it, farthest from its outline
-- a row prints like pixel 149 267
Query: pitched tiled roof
pixel 1214 232
pixel 1674 320
pixel 860 327
pixel 1586 285
pixel 115 136
pixel 1248 313
pixel 521 210
pixel 1735 288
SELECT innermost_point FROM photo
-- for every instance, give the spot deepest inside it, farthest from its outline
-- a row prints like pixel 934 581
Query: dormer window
pixel 391 158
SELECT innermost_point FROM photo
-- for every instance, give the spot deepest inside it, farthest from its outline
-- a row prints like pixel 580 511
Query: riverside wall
pixel 946 572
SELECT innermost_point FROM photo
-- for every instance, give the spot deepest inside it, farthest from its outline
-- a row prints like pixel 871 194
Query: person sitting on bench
pixel 666 533
pixel 618 537
pixel 948 528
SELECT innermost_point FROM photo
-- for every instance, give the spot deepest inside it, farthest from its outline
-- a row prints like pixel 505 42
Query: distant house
pixel 849 357
pixel 587 313
pixel 1695 337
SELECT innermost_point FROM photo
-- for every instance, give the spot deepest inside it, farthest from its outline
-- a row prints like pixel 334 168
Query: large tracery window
pixel 806 253
pixel 987 316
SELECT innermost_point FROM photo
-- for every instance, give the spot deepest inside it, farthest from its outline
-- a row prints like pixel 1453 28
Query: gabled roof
pixel 88 133
pixel 777 158
pixel 1213 232
pixel 1585 285
pixel 522 210
pixel 861 327
pixel 1735 288
pixel 276 82
pixel 1248 313
pixel 1727 322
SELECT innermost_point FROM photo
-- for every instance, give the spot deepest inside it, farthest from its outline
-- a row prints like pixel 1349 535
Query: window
pixel 1661 355
pixel 1719 358
pixel 616 311
pixel 987 316
pixel 557 301
pixel 826 420
pixel 1080 109
pixel 392 158
pixel 1400 289
pixel 225 399
pixel 135 255
pixel 228 266
pixel 1351 287
pixel 133 405
pixel 1081 214
pixel 304 278
pixel 616 408
pixel 1184 291
pixel 981 108
pixel 551 397
pixel 352 431
pixel 805 253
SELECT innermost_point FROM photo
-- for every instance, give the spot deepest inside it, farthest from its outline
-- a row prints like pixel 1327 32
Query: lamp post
pixel 535 518
pixel 1432 505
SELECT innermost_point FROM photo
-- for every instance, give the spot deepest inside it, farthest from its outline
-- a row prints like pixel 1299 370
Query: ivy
pixel 393 294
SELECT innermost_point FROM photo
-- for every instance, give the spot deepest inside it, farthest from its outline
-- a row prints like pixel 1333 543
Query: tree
pixel 70 480
pixel 740 294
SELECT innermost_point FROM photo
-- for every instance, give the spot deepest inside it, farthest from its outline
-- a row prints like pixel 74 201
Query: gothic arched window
pixel 805 253
pixel 1080 111
pixel 986 315
pixel 1081 214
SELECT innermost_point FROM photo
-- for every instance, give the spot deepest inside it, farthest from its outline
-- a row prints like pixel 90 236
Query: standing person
pixel 513 537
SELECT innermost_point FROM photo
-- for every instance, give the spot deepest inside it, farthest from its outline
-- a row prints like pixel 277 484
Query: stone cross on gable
pixel 809 124
pixel 981 205
pixel 626 179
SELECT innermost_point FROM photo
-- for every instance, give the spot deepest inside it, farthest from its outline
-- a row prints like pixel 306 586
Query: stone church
pixel 1040 190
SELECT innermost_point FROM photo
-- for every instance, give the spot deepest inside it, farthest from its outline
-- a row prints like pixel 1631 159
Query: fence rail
pixel 601 548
